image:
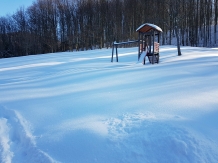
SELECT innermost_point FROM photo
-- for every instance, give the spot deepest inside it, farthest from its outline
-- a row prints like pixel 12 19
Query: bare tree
pixel 215 19
pixel 59 25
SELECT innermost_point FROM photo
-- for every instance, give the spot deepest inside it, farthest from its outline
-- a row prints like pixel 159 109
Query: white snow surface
pixel 79 107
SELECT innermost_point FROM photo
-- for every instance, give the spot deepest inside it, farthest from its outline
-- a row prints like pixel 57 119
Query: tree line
pixel 49 26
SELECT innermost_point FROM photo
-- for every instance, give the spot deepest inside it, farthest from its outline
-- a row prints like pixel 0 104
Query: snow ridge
pixel 144 138
pixel 6 154
pixel 16 141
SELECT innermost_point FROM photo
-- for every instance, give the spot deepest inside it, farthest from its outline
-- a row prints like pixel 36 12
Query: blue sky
pixel 11 6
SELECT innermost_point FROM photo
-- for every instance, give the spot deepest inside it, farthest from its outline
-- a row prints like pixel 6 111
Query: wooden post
pixel 112 52
pixel 139 46
pixel 150 43
pixel 116 53
pixel 143 47
pixel 153 47
pixel 158 37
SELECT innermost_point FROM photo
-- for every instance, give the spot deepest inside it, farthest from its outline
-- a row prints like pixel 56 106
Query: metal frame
pixel 115 45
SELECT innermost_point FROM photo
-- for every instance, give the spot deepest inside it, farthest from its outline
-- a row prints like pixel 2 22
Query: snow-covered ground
pixel 79 107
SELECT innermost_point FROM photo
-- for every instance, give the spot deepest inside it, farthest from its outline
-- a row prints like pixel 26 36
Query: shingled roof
pixel 148 27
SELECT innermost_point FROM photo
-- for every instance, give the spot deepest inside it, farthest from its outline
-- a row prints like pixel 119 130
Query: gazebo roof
pixel 148 27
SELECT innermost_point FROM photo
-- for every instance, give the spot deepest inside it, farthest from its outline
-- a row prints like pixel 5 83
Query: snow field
pixel 80 107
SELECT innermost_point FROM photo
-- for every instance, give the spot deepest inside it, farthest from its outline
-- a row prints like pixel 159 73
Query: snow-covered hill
pixel 80 107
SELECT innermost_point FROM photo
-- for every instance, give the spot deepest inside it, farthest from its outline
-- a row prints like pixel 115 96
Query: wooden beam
pixel 139 45
pixel 112 53
pixel 153 48
pixel 116 53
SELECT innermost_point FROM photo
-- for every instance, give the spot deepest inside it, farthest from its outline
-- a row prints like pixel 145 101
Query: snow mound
pixel 144 138
pixel 16 141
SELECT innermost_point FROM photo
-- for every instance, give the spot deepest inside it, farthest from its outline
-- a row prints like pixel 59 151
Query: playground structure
pixel 149 38
pixel 148 43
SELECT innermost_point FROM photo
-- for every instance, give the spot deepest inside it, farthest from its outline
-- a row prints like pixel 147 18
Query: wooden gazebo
pixel 148 42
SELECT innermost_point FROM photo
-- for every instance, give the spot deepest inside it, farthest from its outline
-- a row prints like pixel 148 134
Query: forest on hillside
pixel 49 26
